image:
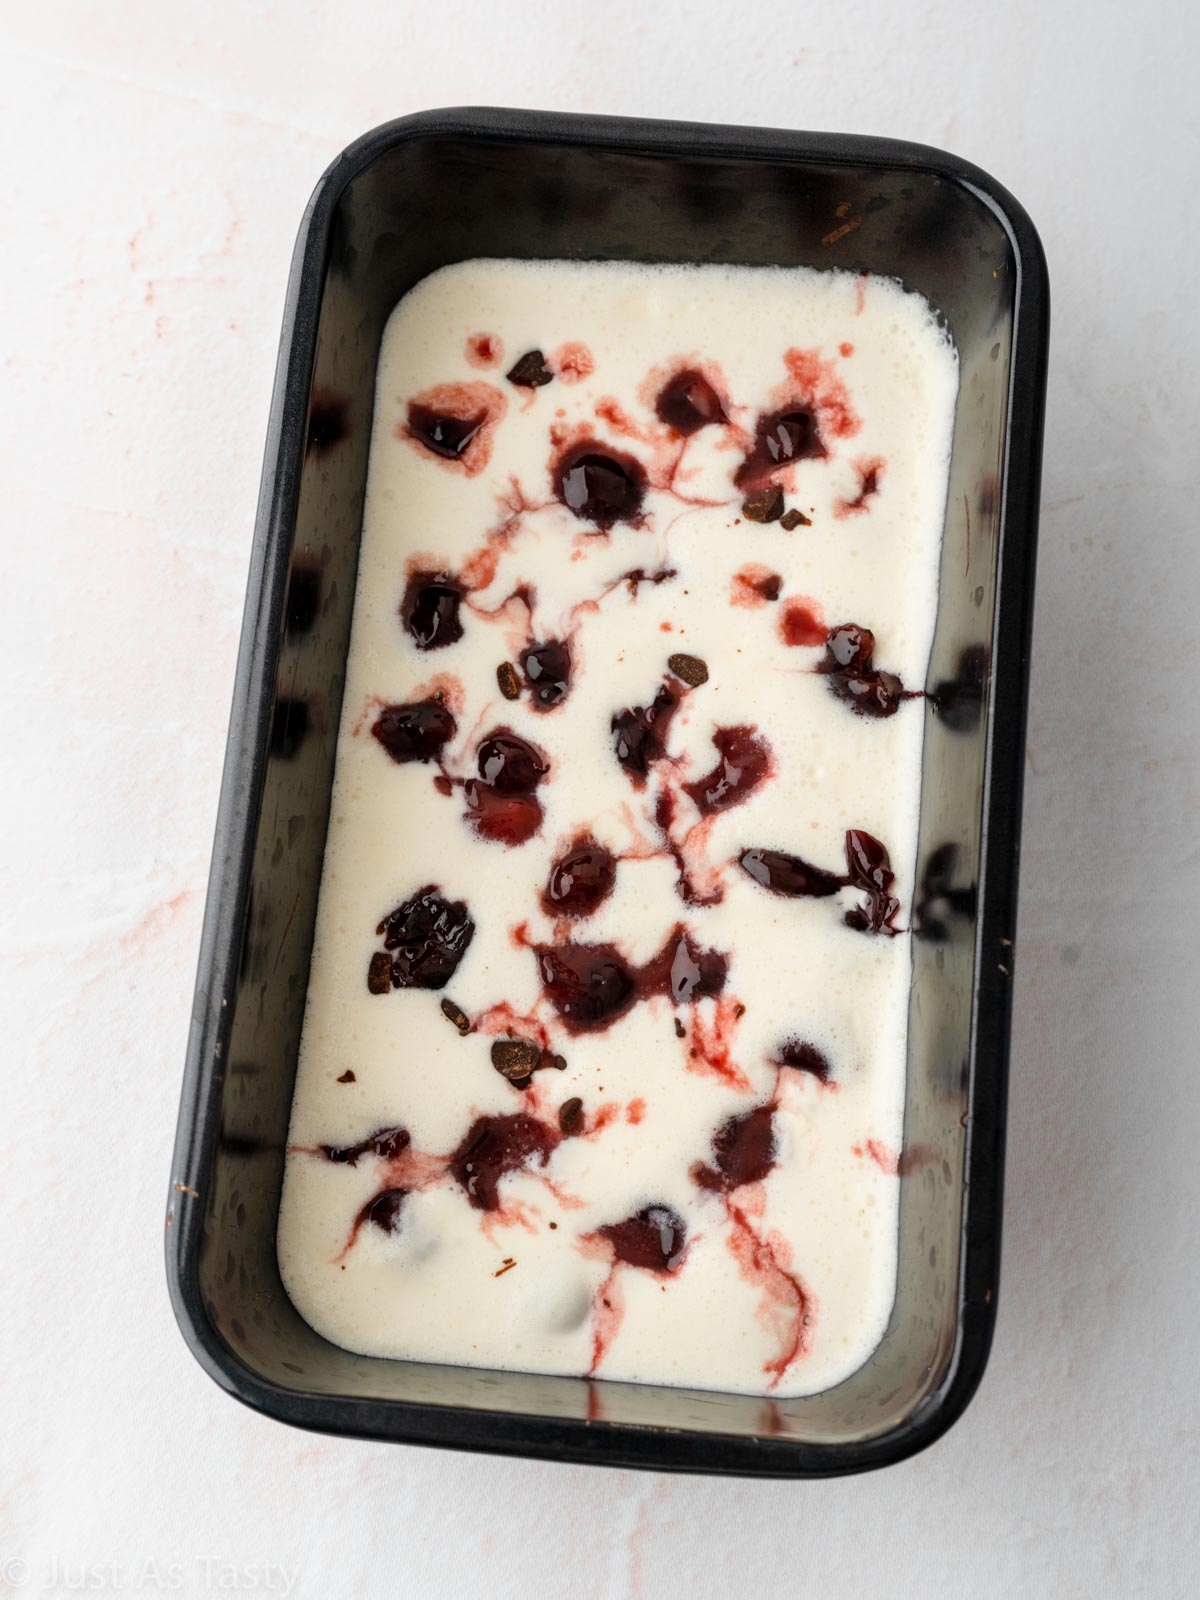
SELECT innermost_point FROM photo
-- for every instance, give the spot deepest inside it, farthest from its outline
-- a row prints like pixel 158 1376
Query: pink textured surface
pixel 158 160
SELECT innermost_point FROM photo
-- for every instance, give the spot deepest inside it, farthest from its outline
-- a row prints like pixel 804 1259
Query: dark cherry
pixel 444 435
pixel 418 731
pixel 743 759
pixel 871 871
pixel 683 970
pixel 743 1151
pixel 598 485
pixel 804 1058
pixel 510 819
pixel 688 402
pixel 788 875
pixel 509 764
pixel 780 437
pixel 494 1147
pixel 384 1211
pixel 580 880
pixel 848 663
pixel 652 1239
pixel 428 936
pixel 386 1143
pixel 429 610
pixel 592 985
pixel 589 985
pixel 958 701
pixel 547 668
pixel 640 732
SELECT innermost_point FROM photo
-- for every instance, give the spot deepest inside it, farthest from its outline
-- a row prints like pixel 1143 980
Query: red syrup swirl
pixel 744 1153
pixel 867 868
pixel 652 1240
pixel 755 585
pixel 870 478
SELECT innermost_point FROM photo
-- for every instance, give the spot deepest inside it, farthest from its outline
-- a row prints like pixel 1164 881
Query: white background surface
pixel 157 160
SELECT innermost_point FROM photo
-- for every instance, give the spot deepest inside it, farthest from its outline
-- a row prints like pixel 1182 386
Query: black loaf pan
pixel 449 185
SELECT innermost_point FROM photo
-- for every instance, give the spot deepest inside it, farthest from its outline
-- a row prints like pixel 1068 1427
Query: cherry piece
pixel 418 731
pixel 743 760
pixel 509 764
pixel 443 434
pixel 429 936
pixel 787 875
pixel 589 985
pixel 853 677
pixel 640 732
pixel 870 870
pixel 743 1151
pixel 494 1147
pixel 684 971
pixel 780 438
pixel 386 1143
pixel 652 1239
pixel 600 486
pixel 688 402
pixel 580 880
pixel 429 610
pixel 384 1211
pixel 547 667
pixel 510 819
pixel 804 1058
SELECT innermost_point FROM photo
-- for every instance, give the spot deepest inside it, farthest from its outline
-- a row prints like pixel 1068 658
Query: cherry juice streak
pixel 870 477
pixel 653 1240
pixel 455 424
pixel 485 349
pixel 801 622
pixel 755 585
pixel 744 1152
pixel 867 868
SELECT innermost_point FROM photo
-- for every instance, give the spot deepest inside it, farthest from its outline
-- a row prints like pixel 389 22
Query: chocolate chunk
pixel 570 1116
pixel 530 371
pixel 347 1077
pixel 680 1030
pixel 510 684
pixel 379 973
pixel 794 519
pixel 515 1060
pixel 457 1016
pixel 765 506
pixel 689 669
